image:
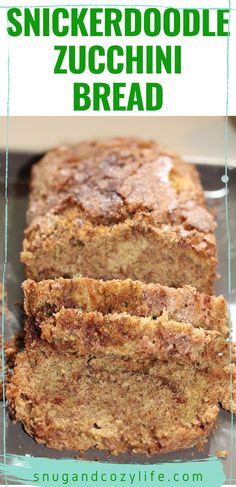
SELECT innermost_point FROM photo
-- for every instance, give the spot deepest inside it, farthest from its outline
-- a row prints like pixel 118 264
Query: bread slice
pixel 127 336
pixel 111 402
pixel 118 208
pixel 119 365
pixel 184 305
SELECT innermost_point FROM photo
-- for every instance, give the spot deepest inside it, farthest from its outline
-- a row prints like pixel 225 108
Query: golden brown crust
pixel 123 177
pixel 119 208
pixel 134 297
pixel 227 395
pixel 11 345
pixel 11 348
pixel 89 402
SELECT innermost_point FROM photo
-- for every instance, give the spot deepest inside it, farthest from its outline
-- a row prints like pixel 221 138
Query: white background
pixel 199 90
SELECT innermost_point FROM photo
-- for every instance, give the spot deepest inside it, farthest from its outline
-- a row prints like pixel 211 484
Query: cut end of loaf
pixel 89 402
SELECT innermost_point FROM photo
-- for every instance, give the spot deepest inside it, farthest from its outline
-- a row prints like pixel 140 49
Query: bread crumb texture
pixel 109 402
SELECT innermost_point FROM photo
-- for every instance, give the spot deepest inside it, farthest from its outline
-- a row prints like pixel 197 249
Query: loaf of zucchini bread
pixel 119 365
pixel 118 208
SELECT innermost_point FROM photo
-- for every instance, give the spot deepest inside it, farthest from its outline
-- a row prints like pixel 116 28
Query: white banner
pixel 29 83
